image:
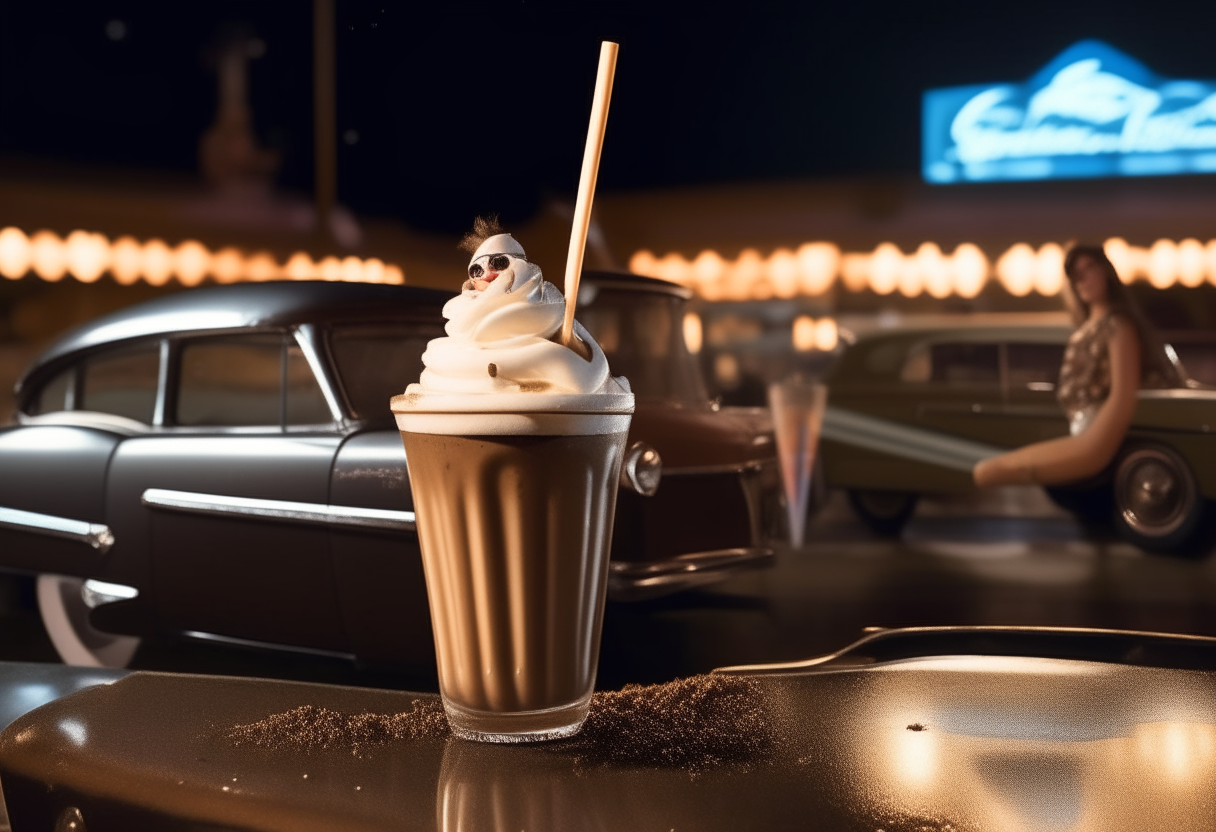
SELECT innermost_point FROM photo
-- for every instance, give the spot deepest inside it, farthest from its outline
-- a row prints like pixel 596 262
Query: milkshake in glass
pixel 514 445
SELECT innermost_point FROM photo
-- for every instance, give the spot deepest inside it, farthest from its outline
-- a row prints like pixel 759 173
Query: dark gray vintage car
pixel 222 463
pixel 913 408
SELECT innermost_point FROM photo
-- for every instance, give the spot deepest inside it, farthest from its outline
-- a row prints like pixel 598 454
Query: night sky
pixel 450 109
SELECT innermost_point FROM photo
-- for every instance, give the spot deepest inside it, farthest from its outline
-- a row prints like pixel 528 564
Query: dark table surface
pixel 876 739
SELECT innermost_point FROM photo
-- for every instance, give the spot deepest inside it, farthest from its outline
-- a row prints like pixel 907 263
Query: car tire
pixel 65 615
pixel 885 512
pixel 1158 505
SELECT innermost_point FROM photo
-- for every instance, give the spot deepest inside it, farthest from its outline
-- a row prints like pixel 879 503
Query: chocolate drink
pixel 515 533
pixel 514 443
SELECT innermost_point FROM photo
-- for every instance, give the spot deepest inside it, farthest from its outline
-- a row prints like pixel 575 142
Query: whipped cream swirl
pixel 499 339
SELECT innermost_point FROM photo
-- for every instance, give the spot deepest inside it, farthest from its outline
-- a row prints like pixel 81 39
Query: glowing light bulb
pixel 1209 257
pixel 782 270
pixel 1016 268
pixel 87 255
pixel 299 267
pixel 673 267
pixel 817 266
pixel 15 254
pixel 1162 264
pixel 228 266
pixel 746 273
pixel 394 274
pixel 803 333
pixel 1190 263
pixel 855 271
pixel 970 268
pixel 1049 270
pixel 262 266
pixel 1120 255
pixel 48 255
pixel 935 270
pixel 643 262
pixel 708 266
pixel 352 269
pixel 330 268
pixel 126 260
pixel 692 332
pixel 826 334
pixel 191 262
pixel 373 270
pixel 886 264
pixel 158 262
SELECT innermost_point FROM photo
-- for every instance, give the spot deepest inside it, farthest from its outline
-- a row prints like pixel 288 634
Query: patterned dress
pixel 1085 373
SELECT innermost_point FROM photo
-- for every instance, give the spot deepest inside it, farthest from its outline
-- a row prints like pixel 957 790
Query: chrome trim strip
pixel 285 511
pixel 306 337
pixel 885 436
pixel 96 535
pixel 162 385
pixel 728 468
pixel 267 645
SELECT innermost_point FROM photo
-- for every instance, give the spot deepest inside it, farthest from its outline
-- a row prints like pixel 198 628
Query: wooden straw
pixel 586 184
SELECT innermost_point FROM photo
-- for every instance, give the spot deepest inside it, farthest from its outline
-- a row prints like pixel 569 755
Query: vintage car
pixel 222 463
pixel 913 408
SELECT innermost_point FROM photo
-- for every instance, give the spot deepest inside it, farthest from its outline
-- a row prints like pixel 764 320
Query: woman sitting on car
pixel 1113 352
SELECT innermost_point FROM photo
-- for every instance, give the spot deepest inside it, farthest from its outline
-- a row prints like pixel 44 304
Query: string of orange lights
pixel 815 267
pixel 87 255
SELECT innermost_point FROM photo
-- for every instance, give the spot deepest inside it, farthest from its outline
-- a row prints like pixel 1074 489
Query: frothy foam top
pixel 500 340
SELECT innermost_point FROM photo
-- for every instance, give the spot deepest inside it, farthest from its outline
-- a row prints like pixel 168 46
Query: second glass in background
pixel 797 405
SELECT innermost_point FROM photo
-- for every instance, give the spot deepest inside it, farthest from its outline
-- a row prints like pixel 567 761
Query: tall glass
pixel 797 405
pixel 515 513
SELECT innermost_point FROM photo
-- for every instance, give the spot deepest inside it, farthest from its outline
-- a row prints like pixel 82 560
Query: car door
pixel 962 392
pixel 245 449
pixel 54 515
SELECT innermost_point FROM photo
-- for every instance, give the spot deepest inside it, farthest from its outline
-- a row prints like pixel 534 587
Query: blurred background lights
pixel 810 334
pixel 1049 269
pixel 48 256
pixel 191 261
pixel 158 262
pixel 692 332
pixel 15 253
pixel 126 260
pixel 87 255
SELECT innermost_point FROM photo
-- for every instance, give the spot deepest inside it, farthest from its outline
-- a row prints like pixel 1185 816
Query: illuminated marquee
pixel 1093 111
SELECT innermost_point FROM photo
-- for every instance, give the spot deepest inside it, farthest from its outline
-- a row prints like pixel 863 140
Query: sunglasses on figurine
pixel 497 262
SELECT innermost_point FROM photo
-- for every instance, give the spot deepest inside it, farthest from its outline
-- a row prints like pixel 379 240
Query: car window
pixel 965 363
pixel 57 394
pixel 376 362
pixel 1033 365
pixel 122 383
pixel 306 403
pixel 231 381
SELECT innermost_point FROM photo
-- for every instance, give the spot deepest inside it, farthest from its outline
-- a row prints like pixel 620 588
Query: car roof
pixel 242 305
pixel 635 283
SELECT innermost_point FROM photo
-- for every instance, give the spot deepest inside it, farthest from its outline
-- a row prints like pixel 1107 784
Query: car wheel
pixel 885 512
pixel 65 615
pixel 1158 506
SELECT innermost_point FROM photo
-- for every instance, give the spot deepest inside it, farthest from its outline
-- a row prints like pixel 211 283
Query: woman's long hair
pixel 1121 302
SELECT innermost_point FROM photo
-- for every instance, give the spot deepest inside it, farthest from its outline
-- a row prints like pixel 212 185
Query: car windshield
pixel 642 334
pixel 376 361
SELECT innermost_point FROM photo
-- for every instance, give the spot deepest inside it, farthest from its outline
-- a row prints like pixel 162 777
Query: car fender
pixel 52 498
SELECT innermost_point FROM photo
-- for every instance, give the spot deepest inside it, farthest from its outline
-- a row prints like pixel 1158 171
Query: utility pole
pixel 325 131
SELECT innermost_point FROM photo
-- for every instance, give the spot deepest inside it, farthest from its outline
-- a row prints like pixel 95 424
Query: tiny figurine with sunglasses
pixel 503 328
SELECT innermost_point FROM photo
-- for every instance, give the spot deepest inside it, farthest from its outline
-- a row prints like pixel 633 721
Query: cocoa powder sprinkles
pixel 309 728
pixel 692 724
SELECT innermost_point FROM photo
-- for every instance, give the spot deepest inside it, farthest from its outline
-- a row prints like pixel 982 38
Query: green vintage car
pixel 913 408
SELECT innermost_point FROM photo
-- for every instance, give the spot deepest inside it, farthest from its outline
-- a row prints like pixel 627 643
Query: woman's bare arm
pixel 1072 458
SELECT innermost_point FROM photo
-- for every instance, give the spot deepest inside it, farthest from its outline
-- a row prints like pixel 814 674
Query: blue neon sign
pixel 1093 111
